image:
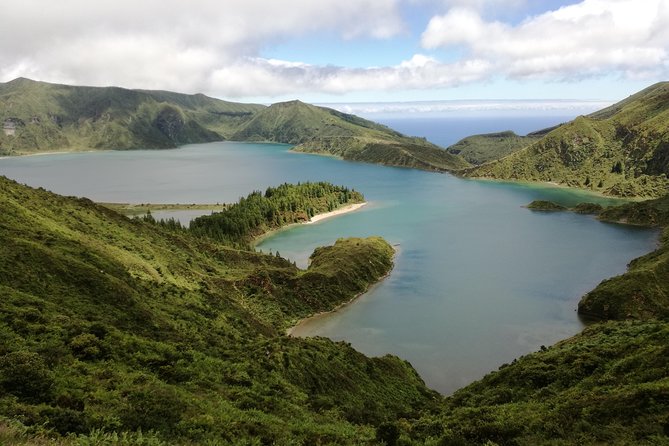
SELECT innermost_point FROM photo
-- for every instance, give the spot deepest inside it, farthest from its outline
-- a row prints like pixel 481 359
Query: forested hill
pixel 622 150
pixel 325 131
pixel 39 116
pixel 118 331
pixel 279 206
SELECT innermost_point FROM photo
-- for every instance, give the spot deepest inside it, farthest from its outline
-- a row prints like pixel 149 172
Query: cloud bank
pixel 590 38
pixel 215 47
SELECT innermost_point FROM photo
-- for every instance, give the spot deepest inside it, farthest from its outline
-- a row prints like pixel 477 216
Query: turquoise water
pixel 478 280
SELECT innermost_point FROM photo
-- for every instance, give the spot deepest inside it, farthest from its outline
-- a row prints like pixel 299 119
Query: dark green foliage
pixel 588 208
pixel 109 326
pixel 641 293
pixel 607 385
pixel 643 213
pixel 622 150
pixel 24 374
pixel 544 205
pixel 256 214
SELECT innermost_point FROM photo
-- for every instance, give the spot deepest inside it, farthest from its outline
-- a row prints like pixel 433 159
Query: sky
pixel 343 51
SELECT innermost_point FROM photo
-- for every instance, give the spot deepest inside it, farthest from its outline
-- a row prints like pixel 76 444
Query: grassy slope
pixel 622 150
pixel 480 149
pixel 113 324
pixel 61 117
pixel 643 291
pixel 325 131
pixel 607 385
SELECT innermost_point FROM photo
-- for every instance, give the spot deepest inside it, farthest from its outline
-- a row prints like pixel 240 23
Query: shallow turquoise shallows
pixel 478 279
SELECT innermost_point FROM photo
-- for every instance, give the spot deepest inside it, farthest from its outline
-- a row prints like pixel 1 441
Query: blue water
pixel 478 279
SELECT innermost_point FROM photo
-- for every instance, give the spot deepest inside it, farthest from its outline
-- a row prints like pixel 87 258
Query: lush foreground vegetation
pixel 110 327
pixel 117 331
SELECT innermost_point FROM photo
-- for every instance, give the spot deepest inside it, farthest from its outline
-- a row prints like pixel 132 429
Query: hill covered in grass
pixel 109 326
pixel 326 131
pixel 480 149
pixel 622 150
pixel 39 116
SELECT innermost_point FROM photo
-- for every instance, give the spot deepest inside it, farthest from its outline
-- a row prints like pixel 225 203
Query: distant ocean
pixel 445 131
pixel 446 122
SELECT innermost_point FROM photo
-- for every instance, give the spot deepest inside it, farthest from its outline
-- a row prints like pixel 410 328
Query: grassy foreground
pixel 118 331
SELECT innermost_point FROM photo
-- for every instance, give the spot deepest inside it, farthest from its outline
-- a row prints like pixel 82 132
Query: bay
pixel 478 279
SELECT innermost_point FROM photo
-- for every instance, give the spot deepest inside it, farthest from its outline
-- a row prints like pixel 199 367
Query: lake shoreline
pixel 290 331
pixel 547 184
pixel 315 219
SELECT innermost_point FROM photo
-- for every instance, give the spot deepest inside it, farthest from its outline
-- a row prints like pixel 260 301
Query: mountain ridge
pixel 39 116
pixel 622 150
pixel 325 131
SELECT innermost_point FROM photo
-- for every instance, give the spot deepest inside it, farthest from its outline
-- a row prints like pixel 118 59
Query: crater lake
pixel 478 280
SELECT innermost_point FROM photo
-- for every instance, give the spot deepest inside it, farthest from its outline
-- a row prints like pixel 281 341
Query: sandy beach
pixel 344 210
pixel 316 218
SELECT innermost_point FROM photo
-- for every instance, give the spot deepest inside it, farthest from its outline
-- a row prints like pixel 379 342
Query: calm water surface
pixel 478 280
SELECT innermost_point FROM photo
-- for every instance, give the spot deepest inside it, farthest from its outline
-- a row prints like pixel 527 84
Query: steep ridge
pixel 39 116
pixel 622 150
pixel 325 131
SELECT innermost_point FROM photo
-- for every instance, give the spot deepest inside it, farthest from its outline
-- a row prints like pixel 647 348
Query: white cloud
pixel 262 77
pixel 589 38
pixel 215 47
pixel 458 107
pixel 168 43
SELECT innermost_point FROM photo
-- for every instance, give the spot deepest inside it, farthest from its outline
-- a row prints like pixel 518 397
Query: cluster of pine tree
pixel 278 206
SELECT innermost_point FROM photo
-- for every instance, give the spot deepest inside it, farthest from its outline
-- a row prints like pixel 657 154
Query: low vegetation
pixel 545 205
pixel 41 117
pixel 480 149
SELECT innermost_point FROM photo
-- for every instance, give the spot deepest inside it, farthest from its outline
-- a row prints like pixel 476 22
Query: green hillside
pixel 110 325
pixel 643 291
pixel 480 149
pixel 622 150
pixel 325 131
pixel 46 117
